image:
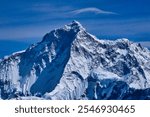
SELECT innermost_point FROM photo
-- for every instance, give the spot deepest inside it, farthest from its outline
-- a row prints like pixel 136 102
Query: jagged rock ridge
pixel 70 63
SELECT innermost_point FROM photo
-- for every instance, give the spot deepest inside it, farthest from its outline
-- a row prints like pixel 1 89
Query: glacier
pixel 72 64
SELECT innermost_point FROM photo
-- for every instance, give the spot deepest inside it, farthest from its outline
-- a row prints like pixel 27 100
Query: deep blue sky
pixel 29 20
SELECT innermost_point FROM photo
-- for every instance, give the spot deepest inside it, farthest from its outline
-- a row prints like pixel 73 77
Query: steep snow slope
pixel 70 63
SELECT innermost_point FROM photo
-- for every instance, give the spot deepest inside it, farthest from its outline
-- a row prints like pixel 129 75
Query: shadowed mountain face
pixel 69 63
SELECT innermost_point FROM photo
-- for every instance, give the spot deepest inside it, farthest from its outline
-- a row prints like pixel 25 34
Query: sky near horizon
pixel 30 20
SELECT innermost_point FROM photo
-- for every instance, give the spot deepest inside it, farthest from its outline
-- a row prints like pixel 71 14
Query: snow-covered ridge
pixel 70 63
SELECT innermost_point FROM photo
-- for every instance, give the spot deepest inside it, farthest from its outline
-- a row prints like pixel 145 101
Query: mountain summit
pixel 69 63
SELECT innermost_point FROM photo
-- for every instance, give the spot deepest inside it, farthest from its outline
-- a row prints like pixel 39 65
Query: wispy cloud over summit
pixel 20 19
pixel 92 10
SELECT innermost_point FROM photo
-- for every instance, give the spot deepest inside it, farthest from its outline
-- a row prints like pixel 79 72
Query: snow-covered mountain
pixel 69 63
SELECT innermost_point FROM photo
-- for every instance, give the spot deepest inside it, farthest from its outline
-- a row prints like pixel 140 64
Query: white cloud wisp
pixel 92 10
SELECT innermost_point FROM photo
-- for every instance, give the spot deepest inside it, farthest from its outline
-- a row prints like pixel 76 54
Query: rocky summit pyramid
pixel 69 63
